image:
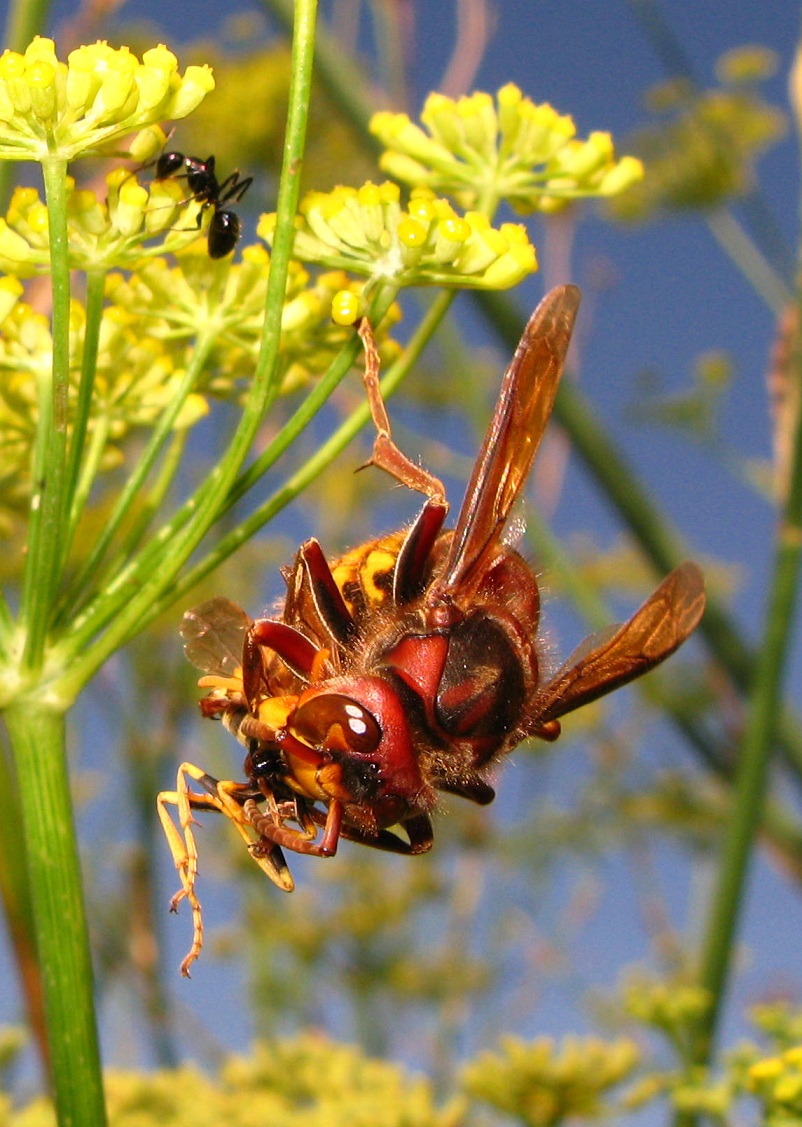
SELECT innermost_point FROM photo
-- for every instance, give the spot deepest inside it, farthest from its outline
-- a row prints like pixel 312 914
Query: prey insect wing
pixel 213 634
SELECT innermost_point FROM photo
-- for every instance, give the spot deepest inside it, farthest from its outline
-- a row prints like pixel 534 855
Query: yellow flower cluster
pixel 540 1082
pixel 217 300
pixel 55 110
pixel 777 1082
pixel 307 1082
pixel 701 150
pixel 136 377
pixel 367 232
pixel 674 1007
pixel 154 320
pixel 102 234
pixel 482 151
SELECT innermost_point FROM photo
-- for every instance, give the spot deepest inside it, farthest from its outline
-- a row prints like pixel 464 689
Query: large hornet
pixel 410 665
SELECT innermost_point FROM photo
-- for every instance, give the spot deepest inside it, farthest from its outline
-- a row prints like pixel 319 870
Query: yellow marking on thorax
pixel 378 563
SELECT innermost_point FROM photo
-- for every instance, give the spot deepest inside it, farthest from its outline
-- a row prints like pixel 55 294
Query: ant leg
pixel 233 189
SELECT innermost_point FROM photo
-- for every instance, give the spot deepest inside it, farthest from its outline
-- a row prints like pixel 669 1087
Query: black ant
pixel 225 227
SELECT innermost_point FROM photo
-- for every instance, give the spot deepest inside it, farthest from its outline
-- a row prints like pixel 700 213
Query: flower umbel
pixel 51 109
pixel 366 231
pixel 102 234
pixel 136 377
pixel 482 152
pixel 541 1082
pixel 777 1083
pixel 703 146
pixel 203 298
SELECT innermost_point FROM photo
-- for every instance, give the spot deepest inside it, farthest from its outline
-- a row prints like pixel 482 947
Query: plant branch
pixel 755 754
pixel 48 517
pixel 54 878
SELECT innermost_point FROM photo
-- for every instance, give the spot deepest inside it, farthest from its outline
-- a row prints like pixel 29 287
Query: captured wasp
pixel 225 226
pixel 411 664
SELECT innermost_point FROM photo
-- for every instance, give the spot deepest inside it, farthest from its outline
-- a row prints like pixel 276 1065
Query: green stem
pixel 95 287
pixel 7 628
pixel 90 466
pixel 755 754
pixel 339 75
pixel 310 406
pixel 48 518
pixel 38 741
pixel 88 573
pixel 18 909
pixel 152 502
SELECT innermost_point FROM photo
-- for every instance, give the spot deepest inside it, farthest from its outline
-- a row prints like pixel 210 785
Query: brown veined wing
pixel 510 444
pixel 611 658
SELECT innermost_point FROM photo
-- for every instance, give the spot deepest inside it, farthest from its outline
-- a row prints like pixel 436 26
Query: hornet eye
pixel 336 723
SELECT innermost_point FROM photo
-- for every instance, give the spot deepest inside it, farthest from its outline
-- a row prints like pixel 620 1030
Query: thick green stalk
pixel 755 754
pixel 6 627
pixel 17 908
pixel 37 735
pixel 48 519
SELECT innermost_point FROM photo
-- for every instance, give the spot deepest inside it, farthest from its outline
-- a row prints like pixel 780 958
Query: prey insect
pixel 410 665
pixel 225 226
